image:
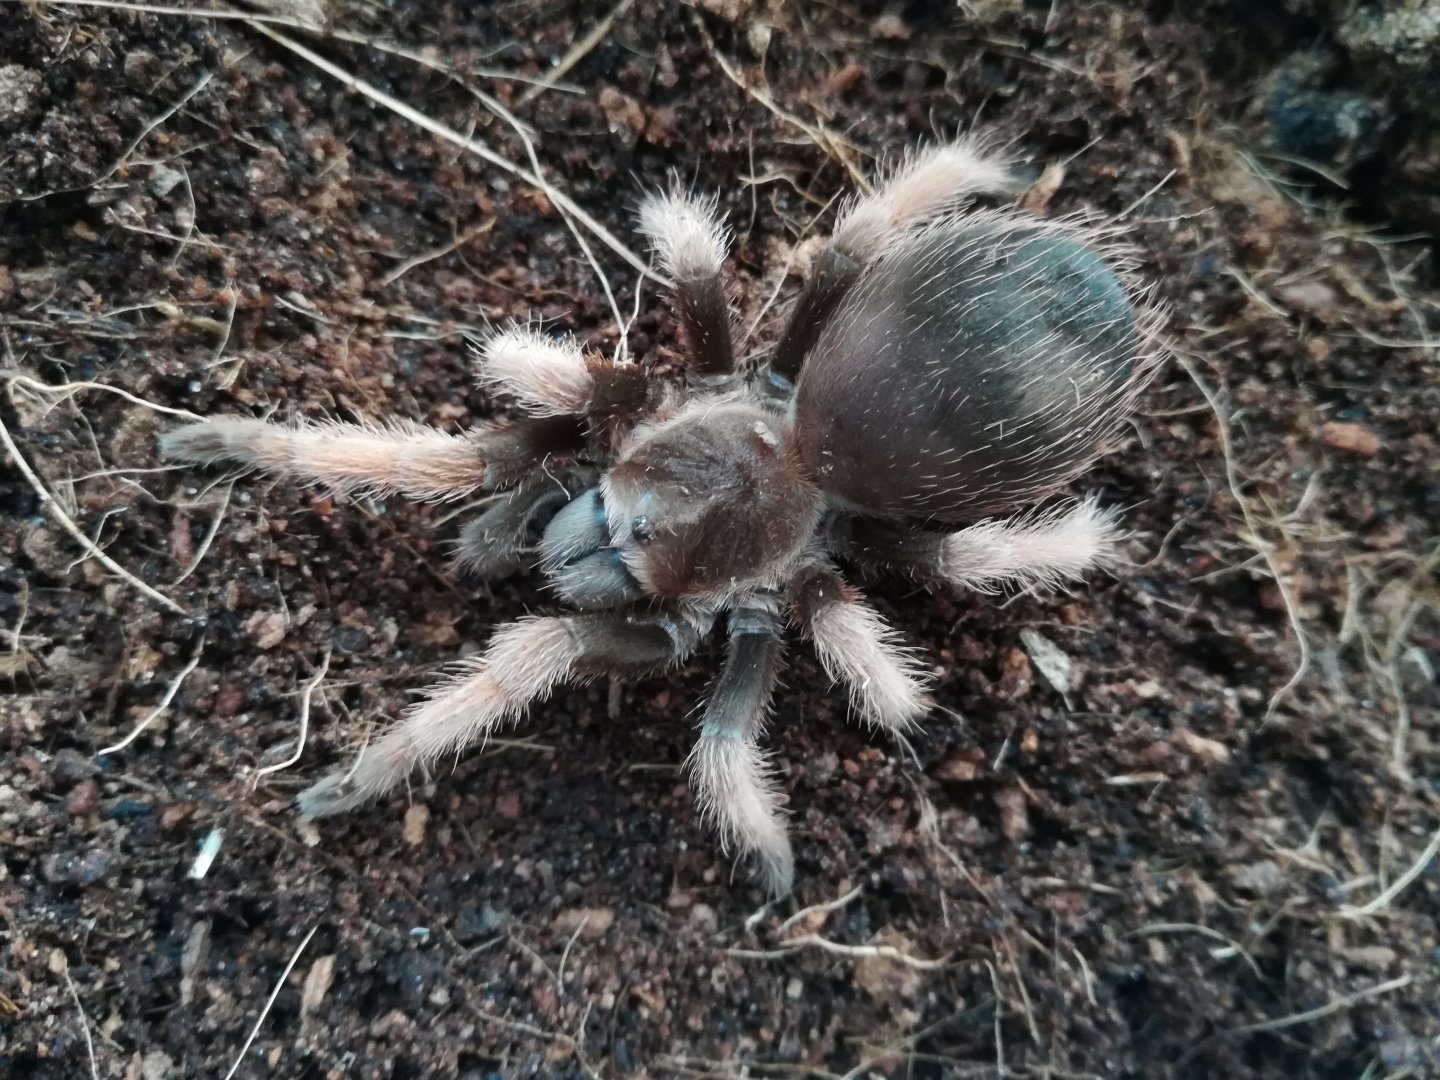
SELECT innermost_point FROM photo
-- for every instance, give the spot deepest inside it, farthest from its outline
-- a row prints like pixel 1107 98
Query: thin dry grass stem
pixel 305 696
pixel 558 198
pixel 1399 635
pixel 523 1028
pixel 538 960
pixel 833 147
pixel 427 57
pixel 218 356
pixel 774 295
pixel 435 253
pixel 269 1004
pixel 1254 537
pixel 158 711
pixel 886 1051
pixel 930 830
pixel 853 952
pixel 999 1016
pixel 20 657
pixel 1338 1005
pixel 149 129
pixel 1382 631
pixel 1029 1008
pixel 1088 976
pixel 510 118
pixel 1233 947
pixel 700 1068
pixel 1399 885
pixel 1143 199
pixel 565 953
pixel 1330 176
pixel 1395 343
pixel 1253 291
pixel 67 523
pixel 1281 187
pixel 820 909
pixel 581 49
pixel 67 390
pixel 84 1024
pixel 528 742
pixel 210 533
pixel 193 13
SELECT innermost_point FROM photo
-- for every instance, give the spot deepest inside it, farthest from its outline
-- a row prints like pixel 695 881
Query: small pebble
pixel 70 767
pixel 87 868
pixel 83 798
pixel 705 918
pixel 267 628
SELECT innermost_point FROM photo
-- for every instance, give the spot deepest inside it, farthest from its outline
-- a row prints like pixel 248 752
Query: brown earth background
pixel 1209 857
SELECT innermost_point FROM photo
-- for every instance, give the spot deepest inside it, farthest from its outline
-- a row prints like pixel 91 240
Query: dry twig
pixel 92 549
pixel 1327 1009
pixel 449 134
pixel 1399 885
pixel 279 985
pixel 578 52
pixel 84 1024
pixel 155 713
pixel 310 688
pixel 854 952
pixel 1255 538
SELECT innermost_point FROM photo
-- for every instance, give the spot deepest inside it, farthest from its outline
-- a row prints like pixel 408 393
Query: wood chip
pixel 416 819
pixel 1352 438
pixel 1014 814
pixel 592 923
pixel 1050 661
pixel 192 959
pixel 1037 197
pixel 957 767
pixel 1217 753
pixel 318 981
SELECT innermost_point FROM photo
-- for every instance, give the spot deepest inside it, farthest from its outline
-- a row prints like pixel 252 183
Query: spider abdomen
pixel 976 366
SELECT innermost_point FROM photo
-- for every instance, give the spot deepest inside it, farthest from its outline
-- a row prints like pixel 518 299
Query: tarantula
pixel 942 367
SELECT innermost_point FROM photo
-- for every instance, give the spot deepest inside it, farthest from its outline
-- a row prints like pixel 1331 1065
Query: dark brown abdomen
pixel 977 366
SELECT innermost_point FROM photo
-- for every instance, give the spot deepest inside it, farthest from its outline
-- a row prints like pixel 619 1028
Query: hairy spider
pixel 940 369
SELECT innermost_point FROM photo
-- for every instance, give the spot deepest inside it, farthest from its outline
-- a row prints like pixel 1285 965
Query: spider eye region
pixel 642 530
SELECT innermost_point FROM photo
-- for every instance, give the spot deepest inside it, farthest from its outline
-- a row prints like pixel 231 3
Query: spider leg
pixel 690 240
pixel 409 459
pixel 886 681
pixel 1030 551
pixel 928 184
pixel 491 545
pixel 731 776
pixel 524 662
pixel 549 376
pixel 556 378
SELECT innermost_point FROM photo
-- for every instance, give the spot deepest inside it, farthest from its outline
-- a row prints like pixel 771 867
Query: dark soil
pixel 1165 876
